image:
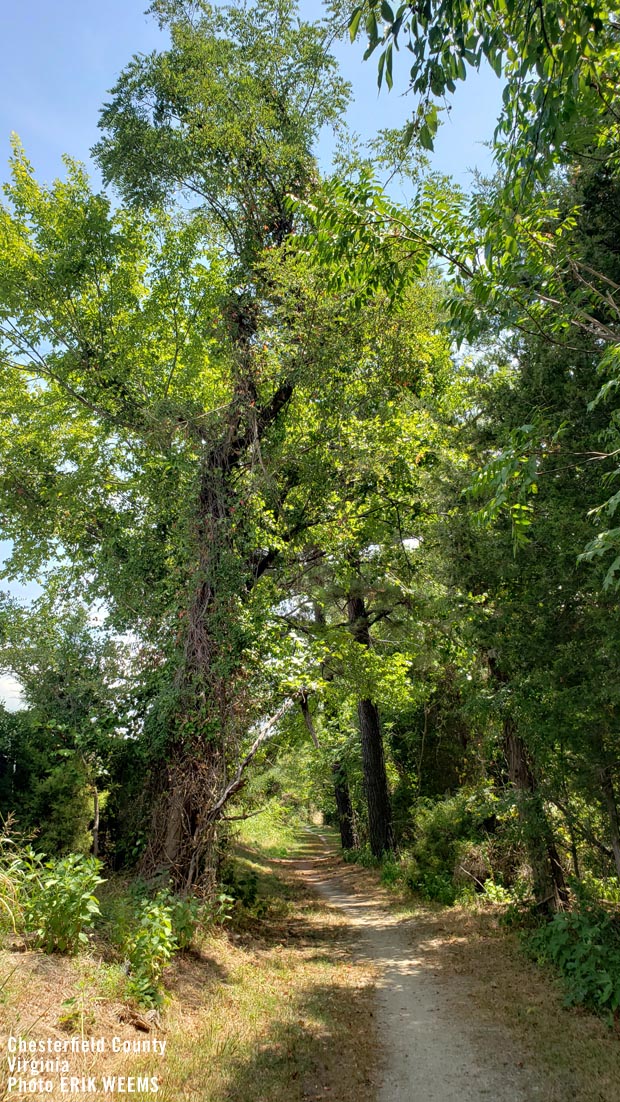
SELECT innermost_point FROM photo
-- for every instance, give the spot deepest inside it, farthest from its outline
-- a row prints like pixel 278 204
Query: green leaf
pixel 354 22
pixel 425 137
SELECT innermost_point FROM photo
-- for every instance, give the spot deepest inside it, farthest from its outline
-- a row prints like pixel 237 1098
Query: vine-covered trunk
pixel 376 789
pixel 213 712
pixel 183 834
pixel 183 838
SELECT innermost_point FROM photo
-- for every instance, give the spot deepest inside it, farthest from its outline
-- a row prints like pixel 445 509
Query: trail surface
pixel 433 1050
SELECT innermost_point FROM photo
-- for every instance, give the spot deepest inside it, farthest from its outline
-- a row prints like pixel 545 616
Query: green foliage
pixel 44 783
pixel 497 893
pixel 57 900
pixel 240 896
pixel 594 888
pixel 363 856
pixel 150 948
pixel 185 914
pixel 65 801
pixel 557 60
pixel 584 944
pixel 448 857
pixel 148 926
pixel 232 422
pixel 230 113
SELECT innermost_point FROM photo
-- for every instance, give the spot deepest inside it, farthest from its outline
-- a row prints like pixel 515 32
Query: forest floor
pixel 334 987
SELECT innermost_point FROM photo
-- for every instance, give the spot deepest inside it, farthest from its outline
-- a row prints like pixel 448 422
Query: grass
pixel 272 833
pixel 572 1054
pixel 275 1007
pixel 272 1009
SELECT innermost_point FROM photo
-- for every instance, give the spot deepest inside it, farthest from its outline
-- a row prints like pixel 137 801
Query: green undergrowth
pixel 49 902
pixel 467 852
pixel 268 1002
pixel 462 848
pixel 584 946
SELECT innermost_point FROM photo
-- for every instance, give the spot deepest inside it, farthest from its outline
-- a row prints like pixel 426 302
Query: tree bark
pixel 609 802
pixel 547 871
pixel 549 882
pixel 611 806
pixel 380 831
pixel 185 836
pixel 346 817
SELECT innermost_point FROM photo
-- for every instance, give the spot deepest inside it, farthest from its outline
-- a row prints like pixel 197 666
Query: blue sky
pixel 60 60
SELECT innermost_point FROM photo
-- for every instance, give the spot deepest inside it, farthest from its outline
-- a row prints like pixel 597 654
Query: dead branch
pixel 266 731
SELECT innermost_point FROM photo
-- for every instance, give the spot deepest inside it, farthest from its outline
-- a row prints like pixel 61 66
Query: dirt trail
pixel 432 1050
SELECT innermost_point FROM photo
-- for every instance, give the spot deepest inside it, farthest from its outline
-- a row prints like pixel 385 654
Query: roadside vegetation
pixel 258 998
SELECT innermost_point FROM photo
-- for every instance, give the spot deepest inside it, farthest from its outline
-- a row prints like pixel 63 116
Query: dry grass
pixel 573 1055
pixel 276 1010
pixel 578 1055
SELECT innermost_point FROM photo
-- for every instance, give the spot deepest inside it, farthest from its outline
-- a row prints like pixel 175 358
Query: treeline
pixel 337 474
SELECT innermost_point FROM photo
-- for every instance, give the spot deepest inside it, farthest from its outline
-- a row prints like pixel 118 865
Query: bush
pixel 584 945
pixel 44 785
pixel 592 889
pixel 148 926
pixel 436 887
pixel 150 948
pixel 57 900
pixel 362 856
pixel 391 871
pixel 448 860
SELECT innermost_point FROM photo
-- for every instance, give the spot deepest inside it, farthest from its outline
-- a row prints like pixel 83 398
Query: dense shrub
pixel 240 887
pixel 450 857
pixel 56 899
pixel 44 786
pixel 584 945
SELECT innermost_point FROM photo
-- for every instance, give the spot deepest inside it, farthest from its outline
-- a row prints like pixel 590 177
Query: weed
pixel 185 913
pixel 150 948
pixel 584 945
pixel 57 899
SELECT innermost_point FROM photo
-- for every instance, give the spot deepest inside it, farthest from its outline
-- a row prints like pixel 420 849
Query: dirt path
pixel 432 1050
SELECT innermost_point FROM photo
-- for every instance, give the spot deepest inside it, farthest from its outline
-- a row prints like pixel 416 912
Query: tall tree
pixel 146 373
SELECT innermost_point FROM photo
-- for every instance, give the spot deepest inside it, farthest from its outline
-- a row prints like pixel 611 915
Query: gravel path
pixel 432 1051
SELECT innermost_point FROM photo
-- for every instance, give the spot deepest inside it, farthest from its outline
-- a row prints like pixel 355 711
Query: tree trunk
pixel 95 821
pixel 376 789
pixel 375 779
pixel 549 882
pixel 182 839
pixel 214 710
pixel 609 802
pixel 346 817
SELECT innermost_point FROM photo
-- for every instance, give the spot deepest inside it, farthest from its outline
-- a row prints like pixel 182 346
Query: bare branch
pixel 266 731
